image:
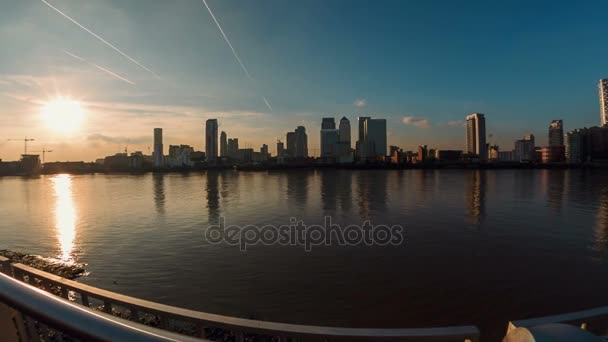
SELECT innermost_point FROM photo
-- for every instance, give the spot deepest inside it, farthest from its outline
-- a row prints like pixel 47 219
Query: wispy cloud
pixel 360 103
pixel 457 123
pixel 416 121
pixel 111 73
pixel 118 139
pixel 101 39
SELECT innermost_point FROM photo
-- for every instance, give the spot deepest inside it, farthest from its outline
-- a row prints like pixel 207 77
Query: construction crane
pixel 44 152
pixel 25 140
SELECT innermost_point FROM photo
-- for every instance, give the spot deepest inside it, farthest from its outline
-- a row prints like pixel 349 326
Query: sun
pixel 62 114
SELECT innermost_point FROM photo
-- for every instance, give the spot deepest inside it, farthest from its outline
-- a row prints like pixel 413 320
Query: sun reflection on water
pixel 65 216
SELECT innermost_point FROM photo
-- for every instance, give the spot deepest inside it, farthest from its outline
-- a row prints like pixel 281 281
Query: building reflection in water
pixel 297 187
pixel 159 192
pixel 65 216
pixel 601 226
pixel 372 193
pixel 329 189
pixel 553 185
pixel 213 196
pixel 475 196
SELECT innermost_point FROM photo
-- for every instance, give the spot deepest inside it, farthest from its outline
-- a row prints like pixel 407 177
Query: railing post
pixel 107 306
pixel 6 266
pixel 240 336
pixel 85 299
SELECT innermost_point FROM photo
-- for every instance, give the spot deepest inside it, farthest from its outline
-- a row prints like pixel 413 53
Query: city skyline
pixel 197 77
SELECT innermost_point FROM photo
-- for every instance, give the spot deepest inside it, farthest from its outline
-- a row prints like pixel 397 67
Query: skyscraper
pixel 329 138
pixel 223 144
pixel 524 148
pixel 280 149
pixel 372 139
pixel 476 136
pixel 301 143
pixel 291 144
pixel 211 140
pixel 158 147
pixel 556 133
pixel 603 92
pixel 345 131
pixel 328 123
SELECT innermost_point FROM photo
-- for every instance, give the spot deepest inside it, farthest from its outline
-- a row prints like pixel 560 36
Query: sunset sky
pixel 422 65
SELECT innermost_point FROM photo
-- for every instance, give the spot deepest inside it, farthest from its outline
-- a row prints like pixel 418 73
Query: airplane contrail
pixel 266 102
pixel 99 67
pixel 101 39
pixel 233 50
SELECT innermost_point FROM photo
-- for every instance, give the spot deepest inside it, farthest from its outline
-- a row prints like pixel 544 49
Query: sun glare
pixel 63 114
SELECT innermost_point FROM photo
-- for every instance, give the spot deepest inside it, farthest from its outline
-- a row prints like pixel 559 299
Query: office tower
pixel 233 148
pixel 603 90
pixel 264 151
pixel 211 140
pixel 524 148
pixel 223 144
pixel 556 133
pixel 328 123
pixel 280 149
pixel 158 147
pixel 345 131
pixel 372 139
pixel 301 143
pixel 291 144
pixel 329 138
pixel 476 136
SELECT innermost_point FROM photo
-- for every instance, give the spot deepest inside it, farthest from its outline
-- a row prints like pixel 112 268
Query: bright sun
pixel 62 114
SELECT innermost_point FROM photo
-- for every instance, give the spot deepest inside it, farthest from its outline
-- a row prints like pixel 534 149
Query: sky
pixel 423 65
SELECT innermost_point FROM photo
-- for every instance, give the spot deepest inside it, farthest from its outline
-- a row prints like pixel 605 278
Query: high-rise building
pixel 280 149
pixel 158 147
pixel 372 142
pixel 329 139
pixel 524 148
pixel 556 133
pixel 291 144
pixel 345 130
pixel 223 144
pixel 264 152
pixel 476 136
pixel 211 140
pixel 603 92
pixel 328 123
pixel 301 143
pixel 233 148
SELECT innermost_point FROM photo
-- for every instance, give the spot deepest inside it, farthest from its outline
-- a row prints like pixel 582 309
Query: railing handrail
pixel 255 326
pixel 569 317
pixel 76 320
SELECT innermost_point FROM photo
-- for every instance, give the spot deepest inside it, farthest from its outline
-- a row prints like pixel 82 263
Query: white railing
pixel 593 320
pixel 218 327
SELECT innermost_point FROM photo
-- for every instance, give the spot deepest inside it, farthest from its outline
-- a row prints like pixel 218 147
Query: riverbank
pixel 53 266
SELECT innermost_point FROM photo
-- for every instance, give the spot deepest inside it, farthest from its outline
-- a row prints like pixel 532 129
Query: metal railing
pixel 206 325
pixel 593 320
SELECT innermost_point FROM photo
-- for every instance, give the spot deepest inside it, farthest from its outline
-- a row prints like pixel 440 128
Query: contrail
pixel 101 39
pixel 227 41
pixel 99 67
pixel 266 102
pixel 233 50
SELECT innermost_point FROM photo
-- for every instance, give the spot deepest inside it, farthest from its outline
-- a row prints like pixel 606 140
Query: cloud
pixel 457 123
pixel 360 103
pixel 118 139
pixel 415 121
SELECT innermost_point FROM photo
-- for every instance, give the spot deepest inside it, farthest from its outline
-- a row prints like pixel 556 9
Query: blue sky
pixel 522 63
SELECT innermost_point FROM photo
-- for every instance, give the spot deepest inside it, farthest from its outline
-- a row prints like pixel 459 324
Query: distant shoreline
pixel 354 167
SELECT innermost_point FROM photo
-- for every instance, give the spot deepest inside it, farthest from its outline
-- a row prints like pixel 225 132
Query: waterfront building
pixel 329 144
pixel 211 140
pixel 505 156
pixel 223 144
pixel 422 153
pixel 232 148
pixel 493 151
pixel 345 131
pixel 158 147
pixel 603 94
pixel 180 156
pixel 328 123
pixel 372 139
pixel 448 155
pixel 524 149
pixel 556 133
pixel 301 143
pixel 476 136
pixel 291 144
pixel 552 154
pixel 264 153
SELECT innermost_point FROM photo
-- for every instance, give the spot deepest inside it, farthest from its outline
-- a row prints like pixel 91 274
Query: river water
pixel 480 247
